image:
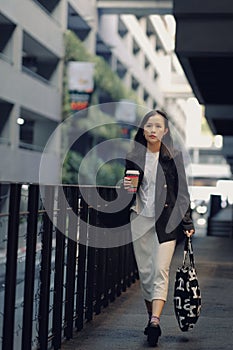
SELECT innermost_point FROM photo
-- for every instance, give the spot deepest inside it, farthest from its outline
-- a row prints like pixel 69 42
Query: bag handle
pixel 188 250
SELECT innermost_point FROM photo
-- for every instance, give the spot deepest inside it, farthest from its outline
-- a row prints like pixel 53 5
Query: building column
pixel 14 126
pixel 90 41
pixel 17 47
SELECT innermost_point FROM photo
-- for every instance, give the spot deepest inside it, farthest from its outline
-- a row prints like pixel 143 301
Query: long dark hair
pixel 166 149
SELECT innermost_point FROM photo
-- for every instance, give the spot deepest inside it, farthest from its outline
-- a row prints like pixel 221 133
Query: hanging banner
pixel 79 100
pixel 125 111
pixel 80 84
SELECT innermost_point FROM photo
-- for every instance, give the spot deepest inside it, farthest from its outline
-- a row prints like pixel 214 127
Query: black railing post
pixel 111 282
pixel 124 252
pixel 71 263
pixel 120 262
pixel 11 268
pixel 90 283
pixel 103 270
pixel 91 260
pixel 45 269
pixel 130 267
pixel 33 202
pixel 105 275
pixel 128 264
pixel 82 255
pixel 59 268
pixel 99 279
pixel 115 271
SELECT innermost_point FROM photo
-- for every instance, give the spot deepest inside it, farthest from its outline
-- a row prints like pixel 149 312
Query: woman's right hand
pixel 127 183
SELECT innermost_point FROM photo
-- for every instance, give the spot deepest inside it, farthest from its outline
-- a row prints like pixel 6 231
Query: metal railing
pixel 52 284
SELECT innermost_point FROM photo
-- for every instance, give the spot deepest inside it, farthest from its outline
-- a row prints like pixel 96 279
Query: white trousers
pixel 153 258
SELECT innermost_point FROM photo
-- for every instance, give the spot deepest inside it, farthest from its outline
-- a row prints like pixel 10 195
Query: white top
pixel 145 197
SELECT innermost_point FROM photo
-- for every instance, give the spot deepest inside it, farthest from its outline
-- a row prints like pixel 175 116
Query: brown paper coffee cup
pixel 134 176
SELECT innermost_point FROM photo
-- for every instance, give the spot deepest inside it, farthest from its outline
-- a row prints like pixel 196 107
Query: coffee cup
pixel 133 175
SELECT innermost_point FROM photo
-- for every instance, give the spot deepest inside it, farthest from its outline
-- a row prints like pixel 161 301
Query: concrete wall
pixel 24 166
pixel 27 91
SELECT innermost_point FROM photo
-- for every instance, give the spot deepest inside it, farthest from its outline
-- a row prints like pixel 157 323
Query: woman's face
pixel 155 129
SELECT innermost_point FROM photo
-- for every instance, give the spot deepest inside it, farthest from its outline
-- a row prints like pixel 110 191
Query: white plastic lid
pixel 132 172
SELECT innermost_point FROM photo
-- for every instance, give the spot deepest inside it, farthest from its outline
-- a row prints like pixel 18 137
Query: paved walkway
pixel 120 326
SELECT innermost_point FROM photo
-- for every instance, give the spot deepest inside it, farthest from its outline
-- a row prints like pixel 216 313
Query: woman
pixel 160 205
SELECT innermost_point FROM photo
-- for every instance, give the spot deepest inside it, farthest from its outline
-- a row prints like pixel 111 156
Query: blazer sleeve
pixel 183 197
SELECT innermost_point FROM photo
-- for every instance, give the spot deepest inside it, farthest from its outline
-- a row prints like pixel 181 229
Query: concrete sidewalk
pixel 121 325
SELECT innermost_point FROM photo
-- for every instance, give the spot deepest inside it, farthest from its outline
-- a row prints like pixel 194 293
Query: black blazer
pixel 172 202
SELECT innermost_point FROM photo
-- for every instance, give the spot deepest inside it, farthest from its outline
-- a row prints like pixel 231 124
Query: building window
pixel 155 74
pixel 122 29
pixel 6 47
pixel 145 95
pixel 103 49
pixel 121 69
pixel 149 28
pixel 146 63
pixel 26 134
pixel 5 111
pixel 48 5
pixel 77 24
pixel 37 60
pixel 136 48
pixel 34 130
pixel 134 84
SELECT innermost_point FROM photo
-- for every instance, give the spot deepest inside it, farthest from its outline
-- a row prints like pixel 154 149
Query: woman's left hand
pixel 189 233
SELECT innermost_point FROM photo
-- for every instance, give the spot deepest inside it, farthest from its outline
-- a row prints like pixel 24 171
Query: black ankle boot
pixel 146 328
pixel 154 332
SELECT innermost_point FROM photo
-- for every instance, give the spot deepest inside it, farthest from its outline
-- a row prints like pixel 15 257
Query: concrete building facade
pixel 139 49
pixel 142 55
pixel 31 51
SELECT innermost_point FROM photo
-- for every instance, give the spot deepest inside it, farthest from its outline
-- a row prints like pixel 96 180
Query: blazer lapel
pixel 161 176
